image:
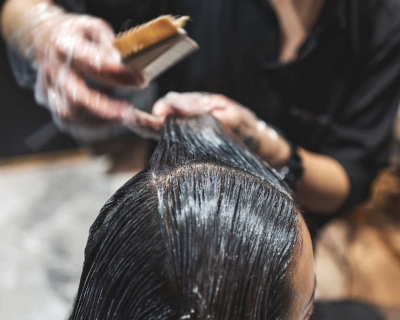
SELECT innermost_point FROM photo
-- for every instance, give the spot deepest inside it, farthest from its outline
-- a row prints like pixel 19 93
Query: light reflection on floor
pixel 45 214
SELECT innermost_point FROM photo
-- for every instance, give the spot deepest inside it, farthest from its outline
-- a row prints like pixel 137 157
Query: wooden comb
pixel 155 46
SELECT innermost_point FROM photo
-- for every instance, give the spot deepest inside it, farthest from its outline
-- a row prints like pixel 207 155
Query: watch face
pixel 293 171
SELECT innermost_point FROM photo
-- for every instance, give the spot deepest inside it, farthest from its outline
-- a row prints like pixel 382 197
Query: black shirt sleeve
pixel 361 137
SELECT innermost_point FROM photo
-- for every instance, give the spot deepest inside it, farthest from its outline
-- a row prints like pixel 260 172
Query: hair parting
pixel 209 231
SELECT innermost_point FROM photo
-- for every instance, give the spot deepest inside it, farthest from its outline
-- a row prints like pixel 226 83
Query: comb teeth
pixel 174 55
pixel 154 47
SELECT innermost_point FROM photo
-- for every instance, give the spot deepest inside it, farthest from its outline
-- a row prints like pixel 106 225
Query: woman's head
pixel 208 232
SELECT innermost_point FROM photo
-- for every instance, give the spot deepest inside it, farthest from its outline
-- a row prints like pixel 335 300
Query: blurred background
pixel 52 188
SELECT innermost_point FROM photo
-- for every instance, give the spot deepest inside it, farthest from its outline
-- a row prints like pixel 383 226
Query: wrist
pixel 273 148
pixel 35 29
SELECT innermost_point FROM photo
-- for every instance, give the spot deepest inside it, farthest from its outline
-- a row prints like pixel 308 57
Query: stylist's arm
pixel 65 50
pixel 324 185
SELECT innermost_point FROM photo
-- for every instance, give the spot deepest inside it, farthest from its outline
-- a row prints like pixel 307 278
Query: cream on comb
pixel 155 46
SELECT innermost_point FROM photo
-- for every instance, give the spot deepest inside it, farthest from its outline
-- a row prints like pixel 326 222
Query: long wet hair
pixel 207 232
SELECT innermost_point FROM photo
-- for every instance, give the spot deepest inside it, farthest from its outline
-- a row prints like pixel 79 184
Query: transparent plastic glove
pixel 144 124
pixel 237 119
pixel 66 50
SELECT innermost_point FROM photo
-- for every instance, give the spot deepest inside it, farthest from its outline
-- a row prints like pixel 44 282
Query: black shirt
pixel 338 98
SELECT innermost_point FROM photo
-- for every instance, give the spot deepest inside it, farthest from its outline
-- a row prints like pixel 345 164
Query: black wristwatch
pixel 293 171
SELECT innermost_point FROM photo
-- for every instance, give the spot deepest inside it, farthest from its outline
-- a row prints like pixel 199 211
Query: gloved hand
pixel 237 119
pixel 66 50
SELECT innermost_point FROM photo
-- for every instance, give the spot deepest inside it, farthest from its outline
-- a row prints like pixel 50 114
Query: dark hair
pixel 208 232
